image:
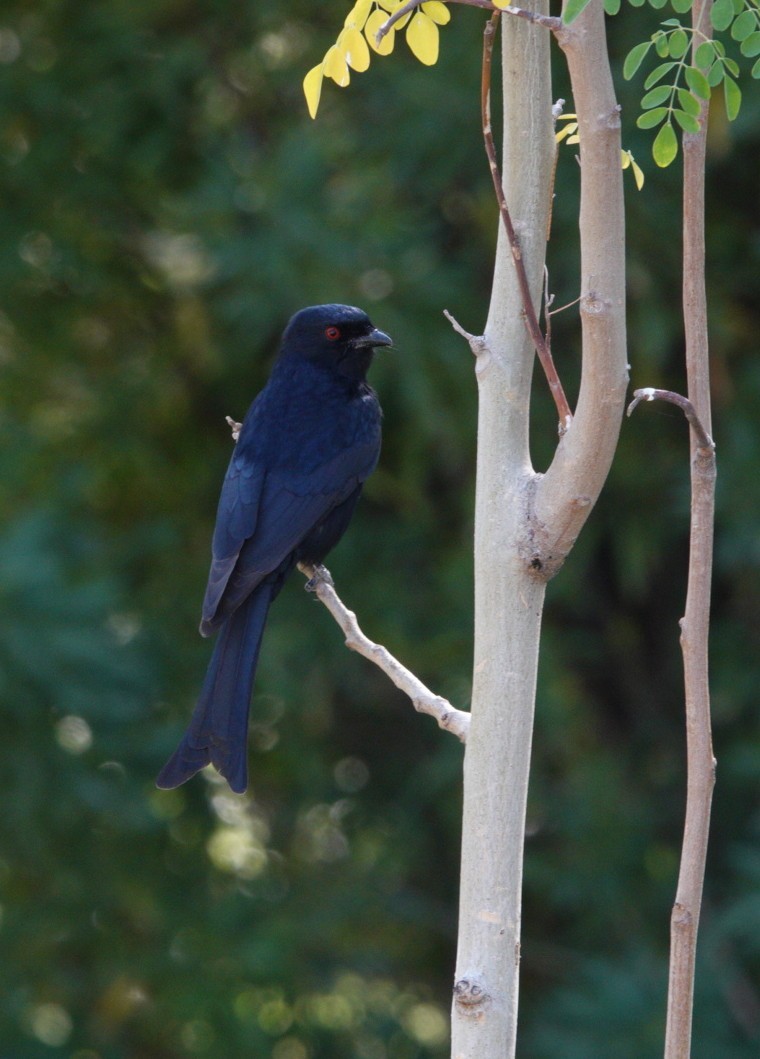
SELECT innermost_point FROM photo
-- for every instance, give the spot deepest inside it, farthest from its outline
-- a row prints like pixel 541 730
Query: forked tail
pixel 218 729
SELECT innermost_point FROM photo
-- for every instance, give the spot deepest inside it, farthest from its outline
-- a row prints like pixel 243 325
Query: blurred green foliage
pixel 165 204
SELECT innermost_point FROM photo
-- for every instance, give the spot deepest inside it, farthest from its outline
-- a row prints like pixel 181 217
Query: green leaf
pixel 715 74
pixel 751 45
pixel 678 44
pixel 634 59
pixel 681 6
pixel 688 102
pixel 658 73
pixel 656 97
pixel 573 9
pixel 722 14
pixel 657 3
pixel 732 66
pixel 665 146
pixel 744 25
pixel 651 118
pixel 738 6
pixel 697 82
pixel 687 121
pixel 637 3
pixel 611 7
pixel 704 55
pixel 733 96
pixel 756 69
pixel 661 44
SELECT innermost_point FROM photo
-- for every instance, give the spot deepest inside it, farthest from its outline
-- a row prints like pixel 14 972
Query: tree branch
pixel 695 624
pixel 567 492
pixel 530 316
pixel 423 700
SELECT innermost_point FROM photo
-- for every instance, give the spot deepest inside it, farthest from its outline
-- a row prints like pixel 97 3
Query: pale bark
pixel 525 523
pixel 508 601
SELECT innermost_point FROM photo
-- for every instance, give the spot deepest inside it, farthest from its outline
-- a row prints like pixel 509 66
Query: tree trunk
pixel 508 600
pixel 527 523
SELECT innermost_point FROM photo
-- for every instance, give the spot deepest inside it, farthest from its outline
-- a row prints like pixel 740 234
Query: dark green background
pixel 165 205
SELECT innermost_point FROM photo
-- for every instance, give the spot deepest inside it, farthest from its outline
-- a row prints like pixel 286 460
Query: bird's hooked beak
pixel 373 339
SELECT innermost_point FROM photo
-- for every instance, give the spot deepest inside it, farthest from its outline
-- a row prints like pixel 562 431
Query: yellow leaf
pixel 312 88
pixel 501 4
pixel 389 5
pixel 422 38
pixel 374 22
pixel 354 47
pixel 568 130
pixel 573 139
pixel 627 159
pixel 336 66
pixel 437 11
pixel 358 14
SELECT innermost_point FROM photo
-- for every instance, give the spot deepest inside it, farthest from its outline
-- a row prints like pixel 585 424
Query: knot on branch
pixel 593 304
pixel 471 998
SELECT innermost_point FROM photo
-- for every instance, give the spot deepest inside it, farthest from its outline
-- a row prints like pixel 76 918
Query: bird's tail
pixel 218 730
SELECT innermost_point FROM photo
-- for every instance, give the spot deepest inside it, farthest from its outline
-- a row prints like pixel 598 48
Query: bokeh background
pixel 165 205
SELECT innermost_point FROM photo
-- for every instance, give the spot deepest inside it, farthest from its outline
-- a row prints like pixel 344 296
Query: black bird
pixel 307 445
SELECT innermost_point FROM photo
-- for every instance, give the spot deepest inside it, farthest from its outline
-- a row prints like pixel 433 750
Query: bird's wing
pixel 264 516
pixel 236 520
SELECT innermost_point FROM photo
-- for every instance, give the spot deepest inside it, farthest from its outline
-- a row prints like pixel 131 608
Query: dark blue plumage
pixel 307 445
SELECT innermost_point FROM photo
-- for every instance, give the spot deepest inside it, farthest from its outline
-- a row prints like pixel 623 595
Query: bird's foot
pixel 321 576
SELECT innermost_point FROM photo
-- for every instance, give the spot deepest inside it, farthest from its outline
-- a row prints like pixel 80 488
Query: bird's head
pixel 337 337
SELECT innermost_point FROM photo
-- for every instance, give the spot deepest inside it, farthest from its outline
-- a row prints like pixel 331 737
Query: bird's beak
pixel 375 338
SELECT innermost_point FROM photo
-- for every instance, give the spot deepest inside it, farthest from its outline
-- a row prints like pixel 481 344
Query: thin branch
pixel 477 343
pixel 531 320
pixel 519 12
pixel 705 443
pixel 695 624
pixel 700 763
pixel 423 700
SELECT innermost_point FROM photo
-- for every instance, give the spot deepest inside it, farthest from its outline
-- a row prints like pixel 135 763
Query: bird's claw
pixel 321 576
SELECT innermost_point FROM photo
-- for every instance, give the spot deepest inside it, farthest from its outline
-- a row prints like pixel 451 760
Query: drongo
pixel 307 445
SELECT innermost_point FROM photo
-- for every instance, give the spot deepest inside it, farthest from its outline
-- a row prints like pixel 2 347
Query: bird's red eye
pixel 332 333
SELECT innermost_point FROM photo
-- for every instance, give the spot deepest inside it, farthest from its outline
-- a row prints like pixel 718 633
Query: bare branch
pixel 530 316
pixel 477 343
pixel 423 700
pixel 704 441
pixel 695 624
pixel 565 495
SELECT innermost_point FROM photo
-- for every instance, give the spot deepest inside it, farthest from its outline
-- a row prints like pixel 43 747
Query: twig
pixel 531 320
pixel 705 444
pixel 477 343
pixel 519 12
pixel 234 426
pixel 423 700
